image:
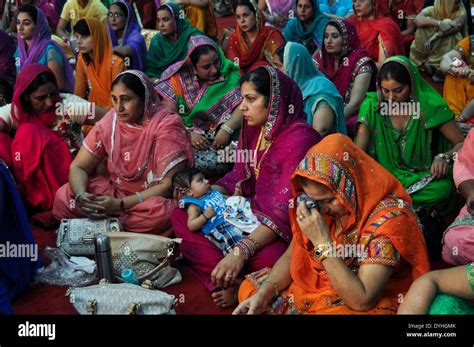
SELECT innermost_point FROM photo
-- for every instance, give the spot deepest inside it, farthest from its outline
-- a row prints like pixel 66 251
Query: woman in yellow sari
pixel 201 16
pixel 459 83
pixel 355 252
pixel 439 29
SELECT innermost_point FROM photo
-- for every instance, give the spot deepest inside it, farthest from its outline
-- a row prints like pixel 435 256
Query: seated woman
pixel 449 291
pixel 145 144
pixel 439 29
pixel 38 152
pixel 346 65
pixel 97 65
pixel 75 10
pixel 400 127
pixel 204 90
pixel 252 44
pixel 279 136
pixel 403 12
pixel 127 40
pixel 170 45
pixel 356 251
pixel 459 83
pixel 308 26
pixel 35 46
pixel 458 243
pixel 336 8
pixel 277 12
pixel 379 35
pixel 323 104
pixel 200 15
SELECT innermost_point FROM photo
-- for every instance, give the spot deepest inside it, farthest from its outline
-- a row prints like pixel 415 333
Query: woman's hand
pixel 222 139
pixel 110 204
pixel 312 224
pixel 199 141
pixel 470 203
pixel 228 269
pixel 256 304
pixel 90 207
pixel 439 168
pixel 238 191
pixel 445 25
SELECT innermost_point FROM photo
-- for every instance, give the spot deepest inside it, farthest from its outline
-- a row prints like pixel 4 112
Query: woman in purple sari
pixel 276 136
pixel 346 65
pixel 36 46
pixel 125 34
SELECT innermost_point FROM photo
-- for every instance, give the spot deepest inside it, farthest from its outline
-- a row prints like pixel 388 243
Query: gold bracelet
pixel 274 286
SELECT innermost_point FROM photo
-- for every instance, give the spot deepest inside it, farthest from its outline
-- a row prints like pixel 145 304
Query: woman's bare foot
pixel 227 297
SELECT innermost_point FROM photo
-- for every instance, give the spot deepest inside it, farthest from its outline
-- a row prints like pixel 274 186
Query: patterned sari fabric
pixel 313 37
pixel 353 62
pixel 261 52
pixel 381 29
pixel 442 10
pixel 408 154
pixel 382 229
pixel 458 91
pixel 458 243
pixel 131 37
pixel 203 107
pixel 202 19
pixel 138 156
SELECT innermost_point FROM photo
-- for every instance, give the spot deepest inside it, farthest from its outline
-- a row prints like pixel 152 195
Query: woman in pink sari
pixel 276 132
pixel 379 35
pixel 346 65
pixel 145 144
pixel 40 156
pixel 458 243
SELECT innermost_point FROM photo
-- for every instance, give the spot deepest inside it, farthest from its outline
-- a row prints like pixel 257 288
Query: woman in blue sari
pixel 323 104
pixel 308 26
pixel 125 34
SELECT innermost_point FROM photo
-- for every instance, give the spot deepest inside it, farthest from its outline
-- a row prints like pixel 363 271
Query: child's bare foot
pixel 227 297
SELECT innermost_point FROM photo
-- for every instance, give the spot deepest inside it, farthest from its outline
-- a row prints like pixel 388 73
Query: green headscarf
pixel 218 99
pixel 163 52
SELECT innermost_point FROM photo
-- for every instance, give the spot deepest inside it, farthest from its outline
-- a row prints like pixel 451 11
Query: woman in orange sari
pixel 201 16
pixel 252 44
pixel 97 65
pixel 357 255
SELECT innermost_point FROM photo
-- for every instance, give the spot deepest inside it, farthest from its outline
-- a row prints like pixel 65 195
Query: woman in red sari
pixel 278 136
pixel 379 35
pixel 252 44
pixel 40 157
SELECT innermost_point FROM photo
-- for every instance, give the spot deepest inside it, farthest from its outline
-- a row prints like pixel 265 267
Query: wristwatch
pixel 444 157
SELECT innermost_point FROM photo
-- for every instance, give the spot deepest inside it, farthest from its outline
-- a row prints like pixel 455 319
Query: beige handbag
pixel 147 255
pixel 120 298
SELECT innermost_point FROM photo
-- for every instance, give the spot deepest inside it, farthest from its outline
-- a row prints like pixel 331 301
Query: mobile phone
pixel 310 203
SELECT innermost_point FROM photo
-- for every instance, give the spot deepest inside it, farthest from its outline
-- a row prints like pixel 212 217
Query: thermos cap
pixel 102 243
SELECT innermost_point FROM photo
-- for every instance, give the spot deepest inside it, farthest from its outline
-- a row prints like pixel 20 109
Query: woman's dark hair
pixel 261 80
pixel 201 50
pixel 311 2
pixel 166 8
pixel 40 80
pixel 133 83
pixel 248 4
pixel 82 28
pixel 395 71
pixel 280 52
pixel 122 7
pixel 31 10
pixel 6 90
pixel 183 179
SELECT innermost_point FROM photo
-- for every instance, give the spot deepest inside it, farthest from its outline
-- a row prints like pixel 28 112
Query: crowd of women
pixel 331 97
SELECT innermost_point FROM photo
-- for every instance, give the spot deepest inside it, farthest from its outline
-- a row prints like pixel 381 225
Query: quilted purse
pixel 147 255
pixel 120 298
pixel 76 236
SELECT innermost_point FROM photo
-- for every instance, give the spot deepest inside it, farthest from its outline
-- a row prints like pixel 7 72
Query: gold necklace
pixel 256 169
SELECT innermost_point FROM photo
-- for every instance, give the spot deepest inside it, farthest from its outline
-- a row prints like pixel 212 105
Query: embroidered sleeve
pixel 381 251
pixel 93 143
pixel 461 51
pixel 365 68
pixel 470 274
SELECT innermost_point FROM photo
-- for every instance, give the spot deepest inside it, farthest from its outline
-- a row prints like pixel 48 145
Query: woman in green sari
pixel 204 89
pixel 171 43
pixel 403 126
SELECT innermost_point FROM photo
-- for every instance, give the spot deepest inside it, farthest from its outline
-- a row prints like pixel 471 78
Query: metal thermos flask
pixel 103 257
